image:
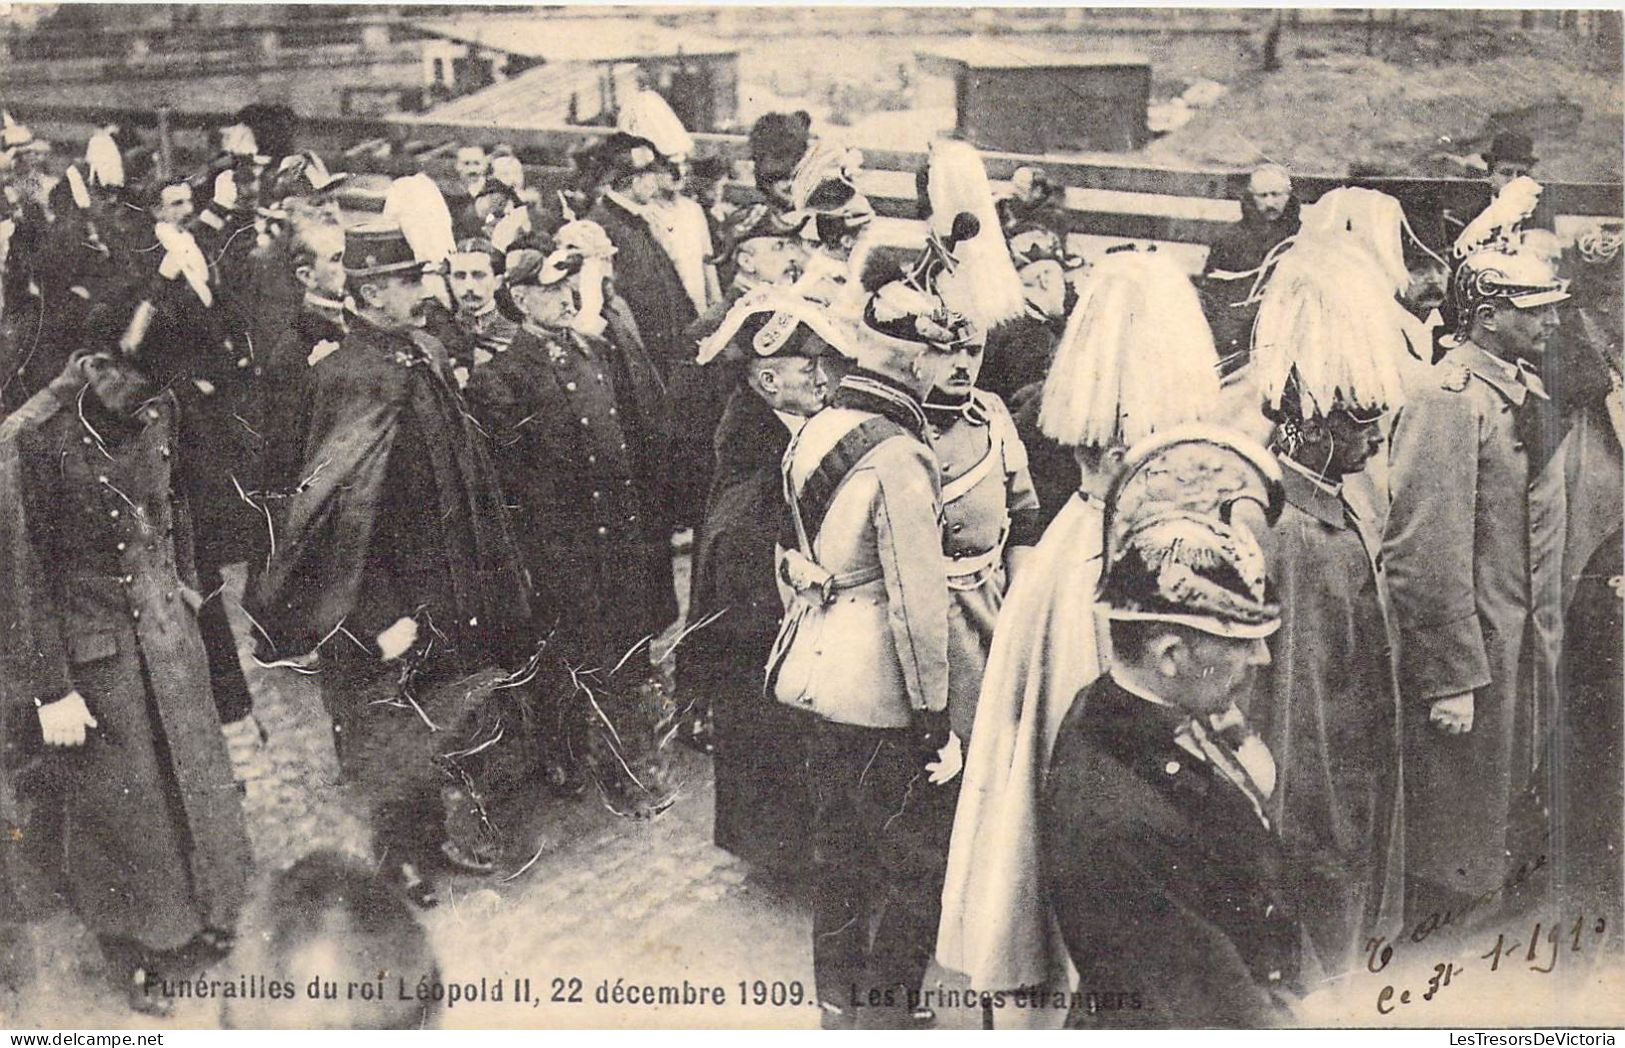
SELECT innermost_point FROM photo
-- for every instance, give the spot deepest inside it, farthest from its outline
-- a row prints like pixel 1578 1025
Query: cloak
pixel 1048 644
pixel 400 510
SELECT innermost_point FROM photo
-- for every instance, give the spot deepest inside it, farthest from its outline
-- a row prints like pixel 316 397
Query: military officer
pixel 1474 550
pixel 760 795
pixel 990 517
pixel 559 439
pixel 864 647
pixel 103 647
pixel 476 330
pixel 1158 853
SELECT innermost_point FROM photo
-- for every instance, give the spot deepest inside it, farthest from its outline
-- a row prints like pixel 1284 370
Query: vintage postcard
pixel 521 517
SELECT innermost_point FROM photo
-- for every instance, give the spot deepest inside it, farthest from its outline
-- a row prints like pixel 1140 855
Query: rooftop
pixel 573 40
pixel 992 53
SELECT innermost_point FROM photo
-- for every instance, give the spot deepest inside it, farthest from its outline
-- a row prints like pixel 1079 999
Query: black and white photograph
pixel 811 518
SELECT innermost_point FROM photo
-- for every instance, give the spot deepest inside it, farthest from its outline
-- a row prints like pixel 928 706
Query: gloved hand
pixel 950 761
pixel 63 722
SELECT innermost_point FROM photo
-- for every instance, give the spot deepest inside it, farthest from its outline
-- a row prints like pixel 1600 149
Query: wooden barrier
pixel 1106 196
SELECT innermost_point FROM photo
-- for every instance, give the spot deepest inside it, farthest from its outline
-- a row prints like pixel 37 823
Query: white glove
pixel 398 639
pixel 1453 715
pixel 950 760
pixel 64 721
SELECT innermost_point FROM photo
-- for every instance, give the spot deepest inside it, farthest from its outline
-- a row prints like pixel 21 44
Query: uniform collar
pixel 1314 496
pixel 1513 381
pixel 865 390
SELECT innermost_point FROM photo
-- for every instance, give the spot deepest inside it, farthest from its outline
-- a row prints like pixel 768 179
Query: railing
pixel 1106 196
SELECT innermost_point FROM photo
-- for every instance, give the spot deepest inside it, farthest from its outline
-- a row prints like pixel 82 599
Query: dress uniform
pixel 1138 359
pixel 1473 551
pixel 864 646
pixel 761 795
pixel 550 407
pixel 988 506
pixel 100 599
pixel 1159 854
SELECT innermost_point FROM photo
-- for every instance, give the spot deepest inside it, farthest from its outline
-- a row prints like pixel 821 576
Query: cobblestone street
pixel 651 903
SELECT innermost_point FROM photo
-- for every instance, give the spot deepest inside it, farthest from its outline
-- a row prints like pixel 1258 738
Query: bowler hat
pixel 1511 147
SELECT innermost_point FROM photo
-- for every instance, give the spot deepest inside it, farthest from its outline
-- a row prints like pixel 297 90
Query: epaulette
pixel 1453 378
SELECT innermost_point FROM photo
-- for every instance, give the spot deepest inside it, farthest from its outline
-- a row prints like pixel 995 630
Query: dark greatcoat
pixel 403 512
pixel 96 592
pixel 1473 553
pixel 761 793
pixel 289 384
pixel 1328 709
pixel 550 410
pixel 1240 249
pixel 647 279
pixel 1165 883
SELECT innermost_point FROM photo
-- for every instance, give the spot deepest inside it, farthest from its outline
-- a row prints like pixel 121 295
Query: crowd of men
pixel 1167 639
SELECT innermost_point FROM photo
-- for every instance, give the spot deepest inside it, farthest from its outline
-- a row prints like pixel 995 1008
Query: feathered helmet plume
pixel 1329 329
pixel 966 249
pixel 1136 357
pixel 648 116
pixel 1497 225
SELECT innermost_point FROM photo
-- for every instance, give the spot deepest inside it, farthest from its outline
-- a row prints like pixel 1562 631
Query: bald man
pixel 1269 214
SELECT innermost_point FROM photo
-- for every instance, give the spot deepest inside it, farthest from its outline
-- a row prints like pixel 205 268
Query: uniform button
pixel 128 580
pixel 152 413
pixel 102 479
pixel 1275 976
pixel 85 439
pixel 136 614
pixel 626 482
pixel 169 596
pixel 633 519
pixel 591 459
pixel 164 451
pixel 113 513
pixel 1270 909
pixel 597 495
pixel 602 531
pixel 120 547
pixel 570 387
pixel 1172 767
pixel 611 412
pixel 623 445
pixel 584 422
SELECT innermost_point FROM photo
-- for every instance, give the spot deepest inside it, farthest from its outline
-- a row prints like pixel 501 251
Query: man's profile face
pixel 549 305
pixel 1216 672
pixel 397 299
pixel 324 273
pixel 793 385
pixel 1524 332
pixel 1355 439
pixel 1269 191
pixel 471 164
pixel 473 280
pixel 771 260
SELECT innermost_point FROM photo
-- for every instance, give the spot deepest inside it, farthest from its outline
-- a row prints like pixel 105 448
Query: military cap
pixel 1486 277
pixel 772 321
pixel 379 248
pixel 1174 552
